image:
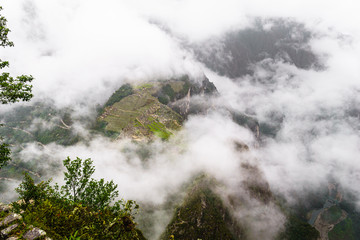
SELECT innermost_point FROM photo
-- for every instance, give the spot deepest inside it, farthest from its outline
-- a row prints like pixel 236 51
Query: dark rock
pixel 241 147
pixel 208 87
pixel 205 88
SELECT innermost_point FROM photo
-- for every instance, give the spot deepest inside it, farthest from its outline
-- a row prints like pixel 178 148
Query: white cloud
pixel 81 51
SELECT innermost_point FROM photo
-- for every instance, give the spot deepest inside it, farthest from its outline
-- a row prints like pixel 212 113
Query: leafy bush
pixel 166 94
pixel 80 188
pixel 167 90
pixel 4 154
pixel 123 91
pixel 81 208
pixel 73 237
pixel 59 218
pixel 164 99
pixel 28 190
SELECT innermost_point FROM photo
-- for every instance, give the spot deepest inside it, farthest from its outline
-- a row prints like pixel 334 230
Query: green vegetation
pixel 139 115
pixel 39 123
pixel 166 94
pixel 19 231
pixel 73 237
pixel 350 206
pixel 130 111
pixel 163 99
pixel 81 208
pixel 144 86
pixel 11 89
pixel 186 86
pixel 159 130
pixel 4 154
pixel 296 229
pixel 80 188
pixel 119 115
pixel 202 215
pixel 173 90
pixel 332 215
pixel 343 231
pixel 124 91
pixel 57 134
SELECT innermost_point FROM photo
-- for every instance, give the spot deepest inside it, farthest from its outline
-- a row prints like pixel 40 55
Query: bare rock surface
pixel 34 233
pixel 9 219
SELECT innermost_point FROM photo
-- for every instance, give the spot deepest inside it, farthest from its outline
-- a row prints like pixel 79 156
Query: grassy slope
pixel 141 115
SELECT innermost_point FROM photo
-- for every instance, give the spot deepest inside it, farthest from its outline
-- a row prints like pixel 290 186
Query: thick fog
pixel 80 52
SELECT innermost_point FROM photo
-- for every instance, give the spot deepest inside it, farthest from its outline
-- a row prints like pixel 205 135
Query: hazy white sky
pixel 77 47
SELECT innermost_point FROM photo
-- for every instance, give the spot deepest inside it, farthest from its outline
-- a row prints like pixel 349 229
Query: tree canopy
pixel 12 89
pixel 83 206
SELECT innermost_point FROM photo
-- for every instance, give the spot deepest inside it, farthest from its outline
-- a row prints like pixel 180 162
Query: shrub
pixel 123 91
pixel 81 207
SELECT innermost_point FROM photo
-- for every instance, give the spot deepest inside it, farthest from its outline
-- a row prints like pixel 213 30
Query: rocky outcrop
pixel 34 233
pixel 12 227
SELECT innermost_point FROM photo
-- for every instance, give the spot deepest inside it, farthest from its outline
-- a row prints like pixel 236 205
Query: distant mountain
pixel 233 54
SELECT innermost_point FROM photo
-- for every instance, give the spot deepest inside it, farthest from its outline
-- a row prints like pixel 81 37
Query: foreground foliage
pixel 71 211
pixel 11 89
pixel 4 154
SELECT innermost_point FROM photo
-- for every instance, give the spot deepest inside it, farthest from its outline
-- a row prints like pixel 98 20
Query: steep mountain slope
pixel 234 54
pixel 152 109
pixel 203 215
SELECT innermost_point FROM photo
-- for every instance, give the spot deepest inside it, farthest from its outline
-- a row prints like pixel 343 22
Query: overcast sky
pixel 76 47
